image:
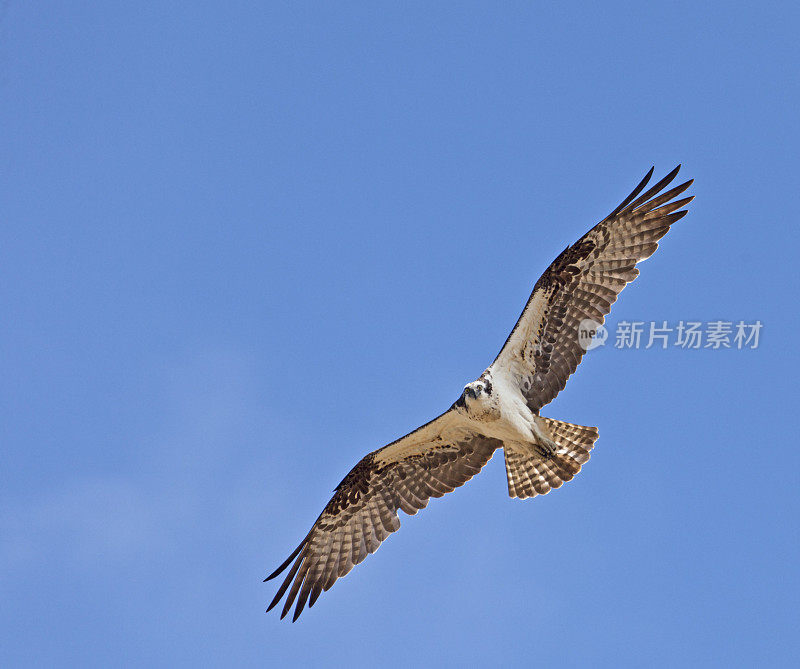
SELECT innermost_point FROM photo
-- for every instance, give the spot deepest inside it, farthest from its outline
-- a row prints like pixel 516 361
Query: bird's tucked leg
pixel 543 445
pixel 554 456
pixel 546 448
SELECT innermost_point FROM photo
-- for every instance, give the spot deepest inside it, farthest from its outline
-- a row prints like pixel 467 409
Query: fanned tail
pixel 531 474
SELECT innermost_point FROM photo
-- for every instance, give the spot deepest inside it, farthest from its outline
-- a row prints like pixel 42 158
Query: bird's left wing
pixel 431 461
pixel 581 284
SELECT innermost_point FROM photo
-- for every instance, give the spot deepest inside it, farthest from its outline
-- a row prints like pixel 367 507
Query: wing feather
pixel 582 283
pixel 364 508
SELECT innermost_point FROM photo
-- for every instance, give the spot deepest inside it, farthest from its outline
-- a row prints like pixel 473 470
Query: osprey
pixel 498 410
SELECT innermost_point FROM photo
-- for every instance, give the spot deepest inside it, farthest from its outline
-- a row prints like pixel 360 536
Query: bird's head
pixel 476 393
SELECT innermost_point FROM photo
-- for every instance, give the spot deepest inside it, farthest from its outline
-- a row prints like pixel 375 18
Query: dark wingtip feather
pixel 275 600
pixel 302 597
pixel 286 582
pixel 653 190
pixel 287 562
pixel 315 592
pixel 286 606
pixel 296 585
pixel 635 192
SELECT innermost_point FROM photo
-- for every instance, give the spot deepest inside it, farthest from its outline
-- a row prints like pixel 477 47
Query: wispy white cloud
pixel 90 520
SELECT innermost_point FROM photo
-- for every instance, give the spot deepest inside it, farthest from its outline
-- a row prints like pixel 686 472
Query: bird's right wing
pixel 431 461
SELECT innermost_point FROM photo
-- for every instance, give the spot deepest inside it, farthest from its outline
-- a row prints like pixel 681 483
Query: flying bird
pixel 498 410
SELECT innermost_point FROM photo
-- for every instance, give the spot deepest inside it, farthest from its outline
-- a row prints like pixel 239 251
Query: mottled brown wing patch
pixel 363 512
pixel 582 283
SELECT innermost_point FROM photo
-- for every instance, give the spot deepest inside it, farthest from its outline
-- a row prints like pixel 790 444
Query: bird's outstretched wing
pixel 431 461
pixel 582 283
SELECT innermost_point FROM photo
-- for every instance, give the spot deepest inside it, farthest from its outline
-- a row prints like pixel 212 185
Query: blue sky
pixel 246 243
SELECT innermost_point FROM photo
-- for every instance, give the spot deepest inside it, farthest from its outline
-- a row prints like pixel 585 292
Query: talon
pixel 546 448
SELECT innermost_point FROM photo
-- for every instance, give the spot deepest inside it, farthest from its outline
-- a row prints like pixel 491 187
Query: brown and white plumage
pixel 582 283
pixel 500 409
pixel 434 460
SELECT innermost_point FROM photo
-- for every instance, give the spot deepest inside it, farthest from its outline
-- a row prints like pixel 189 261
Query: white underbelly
pixel 516 423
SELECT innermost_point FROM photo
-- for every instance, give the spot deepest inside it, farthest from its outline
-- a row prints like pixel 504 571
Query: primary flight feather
pixel 499 409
